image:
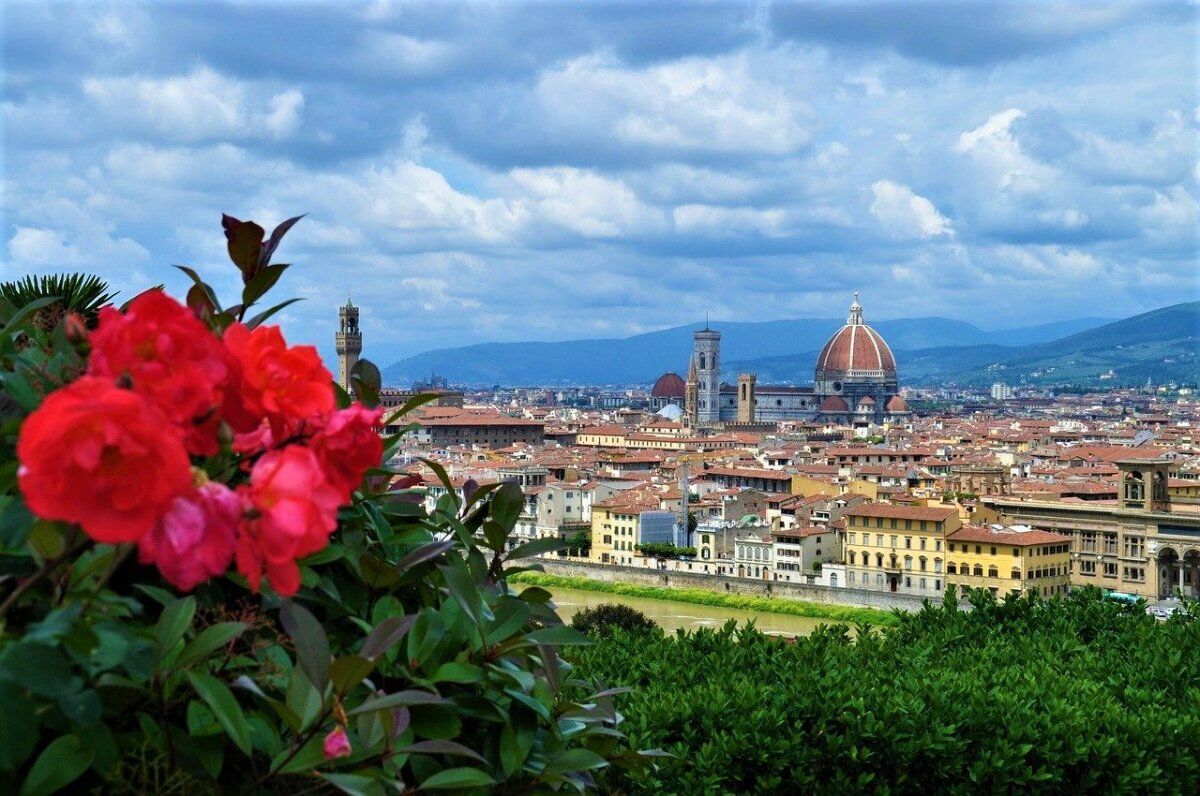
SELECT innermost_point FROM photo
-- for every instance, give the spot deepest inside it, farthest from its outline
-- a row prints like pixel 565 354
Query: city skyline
pixel 515 172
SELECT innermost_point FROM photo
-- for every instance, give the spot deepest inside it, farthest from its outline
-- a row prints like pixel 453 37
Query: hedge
pixel 1071 695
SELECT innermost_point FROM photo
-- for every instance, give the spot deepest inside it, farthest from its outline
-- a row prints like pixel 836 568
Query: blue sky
pixel 505 171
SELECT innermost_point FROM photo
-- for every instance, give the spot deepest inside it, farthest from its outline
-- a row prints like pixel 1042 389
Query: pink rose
pixel 195 539
pixel 337 744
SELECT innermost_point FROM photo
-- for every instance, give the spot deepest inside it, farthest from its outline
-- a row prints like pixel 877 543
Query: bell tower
pixel 706 354
pixel 348 342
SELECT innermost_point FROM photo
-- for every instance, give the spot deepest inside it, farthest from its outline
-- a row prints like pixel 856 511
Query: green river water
pixel 671 615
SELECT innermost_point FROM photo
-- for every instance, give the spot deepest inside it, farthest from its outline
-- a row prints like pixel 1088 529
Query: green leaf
pixel 82 707
pixel 245 241
pixel 385 634
pixel 511 614
pixel 263 281
pixel 442 748
pixel 426 552
pixel 348 671
pixel 39 667
pixel 312 645
pixel 15 522
pixel 538 546
pixel 172 624
pixel 401 699
pixel 354 784
pixel 223 704
pixel 377 573
pixel 457 672
pixel 366 380
pixel 507 502
pixel 210 639
pixel 59 765
pixel 18 728
pixel 457 778
pixel 572 760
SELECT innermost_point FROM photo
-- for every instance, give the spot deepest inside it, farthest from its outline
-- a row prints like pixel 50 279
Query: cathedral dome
pixel 669 385
pixel 897 404
pixel 856 350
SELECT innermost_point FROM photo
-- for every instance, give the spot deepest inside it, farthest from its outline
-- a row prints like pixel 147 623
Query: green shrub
pixel 1073 695
pixel 600 621
pixel 664 550
pixel 405 660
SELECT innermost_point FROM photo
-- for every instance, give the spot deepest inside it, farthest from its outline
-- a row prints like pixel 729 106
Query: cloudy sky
pixel 505 171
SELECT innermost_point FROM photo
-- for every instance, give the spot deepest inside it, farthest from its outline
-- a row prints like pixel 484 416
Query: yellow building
pixel 1005 558
pixel 617 527
pixel 898 548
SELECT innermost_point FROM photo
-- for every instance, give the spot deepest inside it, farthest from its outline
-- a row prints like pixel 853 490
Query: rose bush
pixel 333 633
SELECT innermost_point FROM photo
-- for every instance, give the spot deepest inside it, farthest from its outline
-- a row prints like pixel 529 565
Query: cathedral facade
pixel 854 382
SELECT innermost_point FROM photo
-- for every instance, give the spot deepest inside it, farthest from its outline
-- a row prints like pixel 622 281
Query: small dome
pixel 868 401
pixel 834 403
pixel 897 404
pixel 856 350
pixel 670 412
pixel 669 385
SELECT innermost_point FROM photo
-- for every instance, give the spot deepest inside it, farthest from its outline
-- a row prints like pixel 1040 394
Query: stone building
pixel 348 342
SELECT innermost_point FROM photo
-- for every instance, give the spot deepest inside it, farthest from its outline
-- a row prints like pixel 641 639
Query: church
pixel 854 383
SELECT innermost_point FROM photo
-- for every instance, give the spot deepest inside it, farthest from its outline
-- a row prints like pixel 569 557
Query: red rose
pixel 101 457
pixel 171 358
pixel 294 511
pixel 286 386
pixel 195 539
pixel 348 446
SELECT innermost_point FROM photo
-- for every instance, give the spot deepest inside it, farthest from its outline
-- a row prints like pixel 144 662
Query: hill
pixel 1162 345
pixel 643 357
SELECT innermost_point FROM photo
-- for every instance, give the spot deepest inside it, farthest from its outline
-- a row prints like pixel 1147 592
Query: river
pixel 672 615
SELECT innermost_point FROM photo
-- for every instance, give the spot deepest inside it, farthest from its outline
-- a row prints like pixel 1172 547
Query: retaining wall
pixel 674 579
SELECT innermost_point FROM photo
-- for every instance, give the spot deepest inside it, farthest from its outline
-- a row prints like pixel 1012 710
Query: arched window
pixel 951 569
pixel 702 362
pixel 993 572
pixel 937 565
pixel 921 563
pixel 978 571
pixel 851 558
pixel 1016 574
pixel 879 559
pixel 908 563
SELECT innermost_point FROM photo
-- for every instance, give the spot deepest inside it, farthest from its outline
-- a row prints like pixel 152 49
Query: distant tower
pixel 747 398
pixel 348 342
pixel 706 354
pixel 689 395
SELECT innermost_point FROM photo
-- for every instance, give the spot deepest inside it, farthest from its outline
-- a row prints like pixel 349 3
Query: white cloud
pixel 583 202
pixel 905 214
pixel 694 104
pixel 197 106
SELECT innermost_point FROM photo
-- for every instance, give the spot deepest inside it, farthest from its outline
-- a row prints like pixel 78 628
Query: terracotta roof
pixel 834 403
pixel 902 512
pixel 1006 535
pixel 855 348
pixel 669 385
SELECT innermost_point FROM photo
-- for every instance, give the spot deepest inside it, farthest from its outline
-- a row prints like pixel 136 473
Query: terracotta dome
pixel 868 401
pixel 669 385
pixel 834 403
pixel 897 404
pixel 856 350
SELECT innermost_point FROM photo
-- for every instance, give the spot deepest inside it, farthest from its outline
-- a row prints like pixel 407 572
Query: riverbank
pixel 774 605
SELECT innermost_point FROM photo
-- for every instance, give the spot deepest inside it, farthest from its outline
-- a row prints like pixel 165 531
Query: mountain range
pixel 1161 345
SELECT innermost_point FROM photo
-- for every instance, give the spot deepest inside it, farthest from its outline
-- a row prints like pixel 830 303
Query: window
pixel 978 571
pixel 894 542
pixel 851 557
pixel 921 563
pixel 922 542
pixel 978 550
pixel 1110 569
pixel 1016 574
pixel 952 547
pixel 1134 546
pixel 993 550
pixel 908 563
pixel 908 543
pixel 854 539
pixel 937 545
pixel 1087 567
pixel 993 572
pixel 922 584
pixel 879 540
pixel 908 583
pixel 951 569
pixel 937 565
